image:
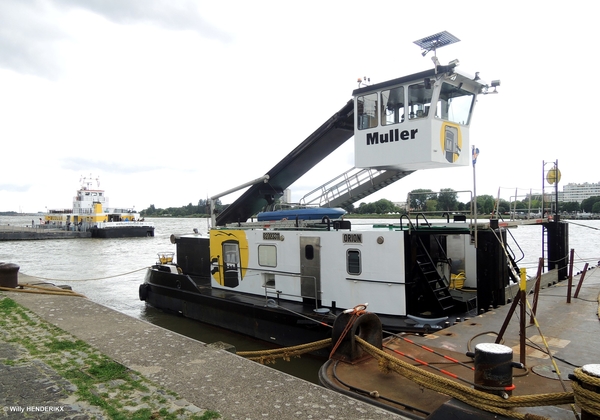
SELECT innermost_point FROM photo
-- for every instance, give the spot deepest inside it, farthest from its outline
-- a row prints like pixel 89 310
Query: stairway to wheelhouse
pixel 351 186
pixel 435 283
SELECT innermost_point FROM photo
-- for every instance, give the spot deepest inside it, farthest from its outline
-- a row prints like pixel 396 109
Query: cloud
pixel 30 32
pixel 28 39
pixel 14 188
pixel 74 163
pixel 172 14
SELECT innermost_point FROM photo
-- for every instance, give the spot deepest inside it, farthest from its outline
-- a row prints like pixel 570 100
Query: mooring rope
pixel 27 288
pixel 285 353
pixel 476 398
pixel 588 400
pixel 357 311
pixel 488 402
pixel 92 279
pixel 579 224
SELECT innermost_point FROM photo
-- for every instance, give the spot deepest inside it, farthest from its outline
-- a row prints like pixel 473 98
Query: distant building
pixel 579 192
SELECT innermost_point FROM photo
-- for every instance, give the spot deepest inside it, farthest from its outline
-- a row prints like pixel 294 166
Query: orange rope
pixel 356 313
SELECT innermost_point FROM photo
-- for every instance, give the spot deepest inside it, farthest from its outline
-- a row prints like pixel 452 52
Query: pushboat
pixel 433 287
pixel 90 212
pixel 287 279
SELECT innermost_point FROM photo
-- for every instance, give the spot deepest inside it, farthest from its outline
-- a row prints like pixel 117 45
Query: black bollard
pixel 9 275
pixel 493 368
pixel 589 409
pixel 367 326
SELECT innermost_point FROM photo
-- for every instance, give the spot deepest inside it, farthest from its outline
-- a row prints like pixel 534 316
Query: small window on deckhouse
pixel 309 252
pixel 267 255
pixel 353 263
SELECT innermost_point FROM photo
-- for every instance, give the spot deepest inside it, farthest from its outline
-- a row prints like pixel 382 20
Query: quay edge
pixel 206 377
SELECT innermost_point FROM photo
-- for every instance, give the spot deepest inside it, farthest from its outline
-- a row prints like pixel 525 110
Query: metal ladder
pixel 352 186
pixel 436 283
pixel 512 260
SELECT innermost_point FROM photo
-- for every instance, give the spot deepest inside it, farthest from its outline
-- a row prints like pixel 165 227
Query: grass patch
pixel 100 381
pixel 7 305
pixel 65 345
pixel 107 370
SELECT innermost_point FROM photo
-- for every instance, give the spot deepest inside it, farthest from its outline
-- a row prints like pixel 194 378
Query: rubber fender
pixel 143 291
pixel 367 326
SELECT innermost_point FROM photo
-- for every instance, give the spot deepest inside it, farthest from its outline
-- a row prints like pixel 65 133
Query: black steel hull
pixel 238 312
pixel 123 232
pixel 288 324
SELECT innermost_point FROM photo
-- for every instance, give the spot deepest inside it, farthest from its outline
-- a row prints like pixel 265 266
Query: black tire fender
pixel 143 291
pixel 367 326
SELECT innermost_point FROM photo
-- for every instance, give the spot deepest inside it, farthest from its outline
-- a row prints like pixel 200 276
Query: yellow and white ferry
pixel 91 212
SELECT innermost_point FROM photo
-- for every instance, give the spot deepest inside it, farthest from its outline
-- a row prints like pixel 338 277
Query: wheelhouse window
pixel 454 104
pixel 392 109
pixel 267 255
pixel 353 263
pixel 366 111
pixel 419 99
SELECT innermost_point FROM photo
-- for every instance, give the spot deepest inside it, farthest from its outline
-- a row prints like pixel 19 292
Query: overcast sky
pixel 171 101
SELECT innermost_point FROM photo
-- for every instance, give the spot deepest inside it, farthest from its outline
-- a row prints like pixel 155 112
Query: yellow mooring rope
pixel 269 356
pixel 479 399
pixel 488 402
pixel 589 401
pixel 31 288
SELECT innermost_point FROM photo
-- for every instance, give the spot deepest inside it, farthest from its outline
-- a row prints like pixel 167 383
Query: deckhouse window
pixel 309 252
pixel 366 111
pixel 353 263
pixel 231 253
pixel 267 255
pixel 392 109
pixel 454 104
pixel 419 99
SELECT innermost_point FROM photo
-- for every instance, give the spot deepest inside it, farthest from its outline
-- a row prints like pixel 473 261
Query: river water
pixel 109 271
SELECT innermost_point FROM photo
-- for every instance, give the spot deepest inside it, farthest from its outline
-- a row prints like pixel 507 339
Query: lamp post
pixel 553 177
pixel 474 154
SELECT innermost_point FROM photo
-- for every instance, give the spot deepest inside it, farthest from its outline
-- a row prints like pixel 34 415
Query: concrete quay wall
pixel 205 376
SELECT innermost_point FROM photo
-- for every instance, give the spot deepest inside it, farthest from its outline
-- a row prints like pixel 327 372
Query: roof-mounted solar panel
pixel 439 40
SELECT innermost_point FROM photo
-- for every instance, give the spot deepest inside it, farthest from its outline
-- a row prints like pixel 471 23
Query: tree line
pixel 420 200
pixel 202 209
